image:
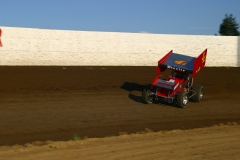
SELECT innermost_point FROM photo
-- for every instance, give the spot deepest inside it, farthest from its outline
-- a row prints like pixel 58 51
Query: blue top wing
pixel 179 62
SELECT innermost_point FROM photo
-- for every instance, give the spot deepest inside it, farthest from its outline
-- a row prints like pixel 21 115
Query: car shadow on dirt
pixel 132 86
pixel 135 98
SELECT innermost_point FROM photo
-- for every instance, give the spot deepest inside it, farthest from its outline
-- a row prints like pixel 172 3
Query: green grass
pixel 142 132
pixel 76 137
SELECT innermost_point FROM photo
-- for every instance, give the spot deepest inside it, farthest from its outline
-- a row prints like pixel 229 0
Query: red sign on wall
pixel 0 37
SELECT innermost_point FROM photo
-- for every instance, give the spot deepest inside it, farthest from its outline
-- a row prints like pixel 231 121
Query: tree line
pixel 229 26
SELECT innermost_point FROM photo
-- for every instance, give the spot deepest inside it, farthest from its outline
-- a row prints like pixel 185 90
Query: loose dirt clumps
pixel 217 142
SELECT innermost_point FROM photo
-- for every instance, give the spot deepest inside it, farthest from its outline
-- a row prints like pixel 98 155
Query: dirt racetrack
pixel 62 103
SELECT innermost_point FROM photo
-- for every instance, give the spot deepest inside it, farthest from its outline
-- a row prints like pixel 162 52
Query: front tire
pixel 182 99
pixel 198 96
pixel 147 96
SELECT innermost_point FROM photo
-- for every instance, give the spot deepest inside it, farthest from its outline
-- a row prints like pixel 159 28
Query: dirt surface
pixel 67 103
pixel 214 143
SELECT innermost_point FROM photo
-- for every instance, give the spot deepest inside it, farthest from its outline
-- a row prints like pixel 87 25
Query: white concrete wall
pixel 25 46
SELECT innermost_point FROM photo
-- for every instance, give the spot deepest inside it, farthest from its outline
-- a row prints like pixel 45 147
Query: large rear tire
pixel 182 99
pixel 147 96
pixel 198 96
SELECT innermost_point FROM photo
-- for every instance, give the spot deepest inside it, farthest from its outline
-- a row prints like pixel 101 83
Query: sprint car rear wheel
pixel 198 96
pixel 182 99
pixel 147 96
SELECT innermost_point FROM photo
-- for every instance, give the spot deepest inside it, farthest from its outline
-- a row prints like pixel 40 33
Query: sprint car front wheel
pixel 147 96
pixel 182 99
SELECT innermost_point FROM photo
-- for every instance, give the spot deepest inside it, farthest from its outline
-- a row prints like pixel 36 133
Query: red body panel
pixel 162 69
pixel 171 86
pixel 200 62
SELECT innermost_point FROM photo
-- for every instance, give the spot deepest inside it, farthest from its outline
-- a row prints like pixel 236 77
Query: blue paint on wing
pixel 179 57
